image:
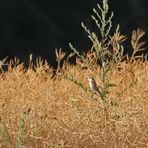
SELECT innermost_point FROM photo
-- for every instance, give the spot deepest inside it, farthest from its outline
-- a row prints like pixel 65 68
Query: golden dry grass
pixel 59 113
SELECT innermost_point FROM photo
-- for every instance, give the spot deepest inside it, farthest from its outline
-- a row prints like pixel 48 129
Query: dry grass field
pixel 42 107
pixel 39 109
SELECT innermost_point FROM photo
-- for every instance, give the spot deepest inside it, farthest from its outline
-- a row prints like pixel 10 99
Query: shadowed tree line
pixel 38 27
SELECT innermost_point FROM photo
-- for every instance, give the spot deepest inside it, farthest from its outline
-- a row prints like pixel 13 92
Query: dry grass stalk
pixel 136 43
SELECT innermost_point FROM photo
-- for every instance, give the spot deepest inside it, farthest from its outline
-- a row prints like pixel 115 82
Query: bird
pixel 93 85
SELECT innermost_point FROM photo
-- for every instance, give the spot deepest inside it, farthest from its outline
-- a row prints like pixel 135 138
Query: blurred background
pixel 38 27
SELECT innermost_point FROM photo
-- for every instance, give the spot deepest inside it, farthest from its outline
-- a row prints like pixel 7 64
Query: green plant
pixel 101 46
pixel 21 131
pixel 104 24
pixel 77 82
pixel 104 55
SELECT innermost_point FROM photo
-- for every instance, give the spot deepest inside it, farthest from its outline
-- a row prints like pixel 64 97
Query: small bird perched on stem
pixel 93 85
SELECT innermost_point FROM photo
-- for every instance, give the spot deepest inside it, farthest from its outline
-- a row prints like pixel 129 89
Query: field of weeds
pixel 39 109
pixel 42 107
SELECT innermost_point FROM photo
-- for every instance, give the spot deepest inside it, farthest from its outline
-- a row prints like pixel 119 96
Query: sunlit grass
pixel 45 107
pixel 60 113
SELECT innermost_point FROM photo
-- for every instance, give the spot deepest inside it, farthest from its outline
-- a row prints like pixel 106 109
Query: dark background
pixel 38 27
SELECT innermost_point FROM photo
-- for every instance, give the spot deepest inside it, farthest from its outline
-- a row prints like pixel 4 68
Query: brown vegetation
pixel 42 107
pixel 39 110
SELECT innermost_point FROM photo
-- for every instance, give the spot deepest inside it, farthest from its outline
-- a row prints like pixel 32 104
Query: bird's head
pixel 90 78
